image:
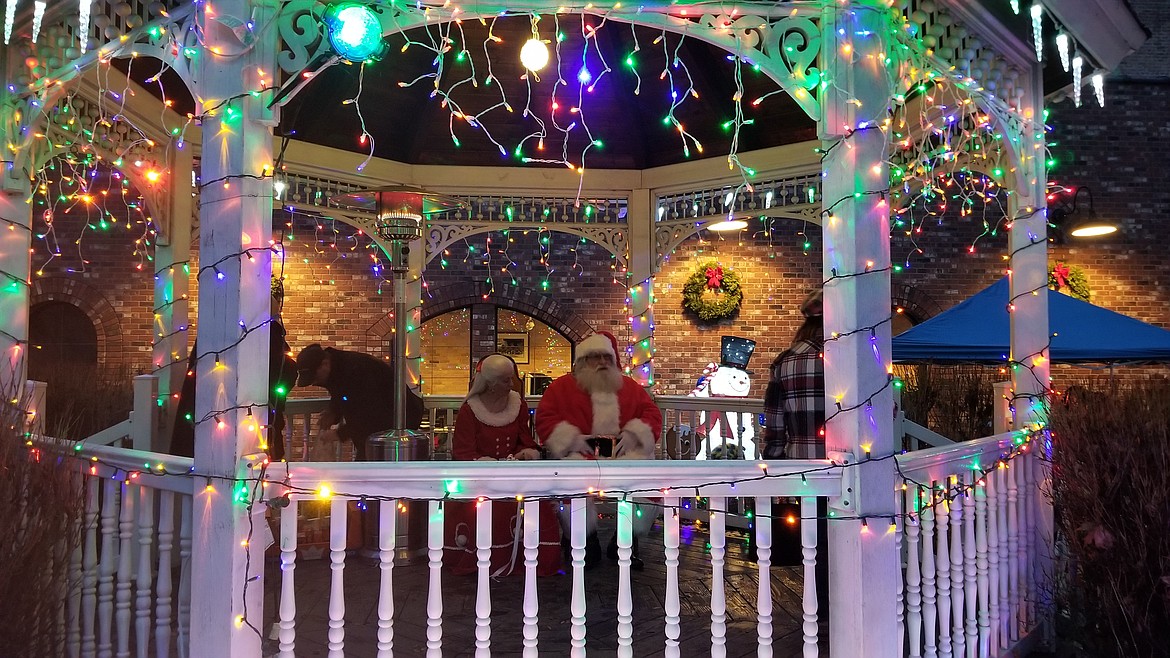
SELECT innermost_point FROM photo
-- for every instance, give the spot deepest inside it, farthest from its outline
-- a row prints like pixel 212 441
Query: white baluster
pixel 943 566
pixel 763 523
pixel 625 602
pixel 981 568
pixel 929 591
pixel 288 566
pixel 73 601
pixel 106 568
pixel 672 609
pixel 125 555
pixel 577 530
pixel 89 569
pixel 1027 541
pixel 162 589
pixel 913 574
pixel 900 613
pixel 1013 550
pixel 483 563
pixel 531 601
pixel 387 529
pixel 1002 558
pixel 718 531
pixel 435 589
pixel 992 488
pixel 62 564
pixel 142 601
pixel 183 618
pixel 969 550
pixel 338 533
pixel 958 594
pixel 808 547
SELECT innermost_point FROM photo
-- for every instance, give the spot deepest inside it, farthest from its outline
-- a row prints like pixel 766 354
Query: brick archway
pixel 93 304
pixel 451 298
pixel 915 304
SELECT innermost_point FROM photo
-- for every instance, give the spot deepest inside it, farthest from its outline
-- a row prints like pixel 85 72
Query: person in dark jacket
pixel 361 392
pixel 281 377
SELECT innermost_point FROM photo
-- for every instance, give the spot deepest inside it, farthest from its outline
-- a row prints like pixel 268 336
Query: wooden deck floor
pixel 649 596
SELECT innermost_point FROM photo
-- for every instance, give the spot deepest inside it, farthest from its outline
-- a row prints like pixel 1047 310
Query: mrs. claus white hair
pixel 493 368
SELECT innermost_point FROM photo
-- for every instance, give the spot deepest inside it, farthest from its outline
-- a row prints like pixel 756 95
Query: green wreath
pixel 712 292
pixel 1069 280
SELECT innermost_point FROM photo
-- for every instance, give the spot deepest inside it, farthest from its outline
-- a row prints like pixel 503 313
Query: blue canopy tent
pixel 977 331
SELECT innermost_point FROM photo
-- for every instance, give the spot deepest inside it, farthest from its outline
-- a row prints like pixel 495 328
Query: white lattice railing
pixel 972 573
pixel 130 581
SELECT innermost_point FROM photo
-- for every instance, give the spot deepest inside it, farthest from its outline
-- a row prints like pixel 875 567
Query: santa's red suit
pixel 568 415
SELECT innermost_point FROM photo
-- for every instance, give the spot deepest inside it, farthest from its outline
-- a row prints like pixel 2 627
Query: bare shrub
pixel 41 506
pixel 84 401
pixel 1111 496
pixel 955 401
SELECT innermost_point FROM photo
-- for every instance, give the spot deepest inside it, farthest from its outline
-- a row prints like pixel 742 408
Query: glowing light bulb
pixel 534 55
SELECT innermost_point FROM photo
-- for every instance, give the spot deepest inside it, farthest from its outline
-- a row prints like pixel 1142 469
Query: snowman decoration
pixel 727 434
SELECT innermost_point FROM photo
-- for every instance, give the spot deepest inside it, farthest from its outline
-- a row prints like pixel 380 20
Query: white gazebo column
pixel 863 582
pixel 234 315
pixel 1028 244
pixel 171 286
pixel 640 267
pixel 15 264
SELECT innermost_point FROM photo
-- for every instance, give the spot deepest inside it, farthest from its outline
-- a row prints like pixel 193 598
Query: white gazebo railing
pixel 130 578
pixel 968 532
pixel 530 482
pixel 683 418
pixel 972 575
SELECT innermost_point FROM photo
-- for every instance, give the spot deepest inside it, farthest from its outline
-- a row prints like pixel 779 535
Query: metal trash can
pixel 410 540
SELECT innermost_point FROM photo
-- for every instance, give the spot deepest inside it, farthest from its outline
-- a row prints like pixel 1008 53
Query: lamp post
pixel 399 212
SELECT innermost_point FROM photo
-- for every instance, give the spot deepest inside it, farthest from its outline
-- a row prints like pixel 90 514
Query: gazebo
pixel 858 68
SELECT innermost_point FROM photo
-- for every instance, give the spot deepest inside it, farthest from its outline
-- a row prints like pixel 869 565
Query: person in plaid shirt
pixel 794 412
pixel 794 402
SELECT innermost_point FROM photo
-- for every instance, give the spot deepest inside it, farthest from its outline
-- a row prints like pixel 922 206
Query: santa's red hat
pixel 601 342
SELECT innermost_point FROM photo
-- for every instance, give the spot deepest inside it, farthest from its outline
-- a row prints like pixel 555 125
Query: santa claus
pixel 580 410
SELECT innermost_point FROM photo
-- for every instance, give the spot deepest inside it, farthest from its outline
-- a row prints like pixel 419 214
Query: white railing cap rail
pixel 508 479
pixel 119 463
pixel 688 403
pixel 935 464
pixel 675 402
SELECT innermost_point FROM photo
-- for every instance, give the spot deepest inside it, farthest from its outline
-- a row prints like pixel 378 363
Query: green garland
pixel 712 303
pixel 1076 284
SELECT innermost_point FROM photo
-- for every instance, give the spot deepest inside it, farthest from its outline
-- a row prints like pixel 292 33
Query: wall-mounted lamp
pixel 1078 222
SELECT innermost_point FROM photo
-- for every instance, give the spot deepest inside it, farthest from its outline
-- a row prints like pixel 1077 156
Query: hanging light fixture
pixel 1078 222
pixel 534 53
pixel 355 32
pixel 731 222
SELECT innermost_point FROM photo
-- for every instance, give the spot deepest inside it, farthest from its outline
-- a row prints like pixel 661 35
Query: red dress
pixel 480 434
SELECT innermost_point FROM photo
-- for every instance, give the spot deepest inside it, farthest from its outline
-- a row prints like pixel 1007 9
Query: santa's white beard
pixel 598 379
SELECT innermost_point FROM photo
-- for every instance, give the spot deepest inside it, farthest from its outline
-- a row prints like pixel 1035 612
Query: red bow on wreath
pixel 1060 272
pixel 714 277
